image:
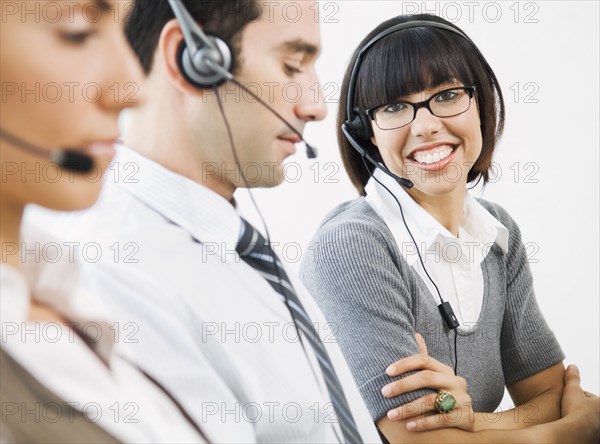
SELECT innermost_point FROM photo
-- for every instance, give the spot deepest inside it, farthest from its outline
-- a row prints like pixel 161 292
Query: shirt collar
pixel 53 281
pixel 477 221
pixel 206 215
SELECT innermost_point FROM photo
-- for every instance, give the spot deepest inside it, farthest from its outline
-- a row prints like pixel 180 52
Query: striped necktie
pixel 255 251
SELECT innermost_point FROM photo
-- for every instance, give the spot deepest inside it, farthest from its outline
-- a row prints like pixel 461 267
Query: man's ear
pixel 171 39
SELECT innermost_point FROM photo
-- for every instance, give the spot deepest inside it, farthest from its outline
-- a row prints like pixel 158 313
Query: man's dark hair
pixel 226 18
pixel 410 61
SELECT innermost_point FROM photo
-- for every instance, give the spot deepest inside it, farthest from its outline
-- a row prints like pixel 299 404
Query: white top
pixel 203 311
pixel 110 391
pixel 454 263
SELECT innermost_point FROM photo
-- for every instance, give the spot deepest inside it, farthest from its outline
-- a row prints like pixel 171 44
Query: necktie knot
pixel 248 239
pixel 252 243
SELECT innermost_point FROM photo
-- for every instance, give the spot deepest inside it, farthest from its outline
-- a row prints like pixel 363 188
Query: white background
pixel 547 159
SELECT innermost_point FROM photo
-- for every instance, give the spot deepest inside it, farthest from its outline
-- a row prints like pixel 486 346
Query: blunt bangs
pixel 410 61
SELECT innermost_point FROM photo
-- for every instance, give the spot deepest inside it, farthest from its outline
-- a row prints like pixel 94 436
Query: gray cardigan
pixel 376 302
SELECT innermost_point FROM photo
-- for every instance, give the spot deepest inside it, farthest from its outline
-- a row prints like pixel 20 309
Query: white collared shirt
pixel 454 263
pixel 204 312
pixel 109 390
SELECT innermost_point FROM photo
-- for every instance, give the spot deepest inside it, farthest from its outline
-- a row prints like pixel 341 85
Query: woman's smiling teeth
pixel 434 155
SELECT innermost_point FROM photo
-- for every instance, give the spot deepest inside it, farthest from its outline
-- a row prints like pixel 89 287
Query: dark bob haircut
pixel 225 18
pixel 410 61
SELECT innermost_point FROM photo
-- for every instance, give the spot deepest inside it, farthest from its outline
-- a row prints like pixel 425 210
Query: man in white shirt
pixel 167 230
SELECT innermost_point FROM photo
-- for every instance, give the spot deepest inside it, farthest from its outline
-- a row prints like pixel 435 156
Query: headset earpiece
pixel 195 67
pixel 361 130
pixel 204 59
pixel 359 125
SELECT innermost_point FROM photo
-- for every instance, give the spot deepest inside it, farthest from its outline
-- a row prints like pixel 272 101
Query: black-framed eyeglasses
pixel 446 103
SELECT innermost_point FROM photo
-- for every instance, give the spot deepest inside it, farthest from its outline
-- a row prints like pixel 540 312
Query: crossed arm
pixel 579 412
pixel 537 398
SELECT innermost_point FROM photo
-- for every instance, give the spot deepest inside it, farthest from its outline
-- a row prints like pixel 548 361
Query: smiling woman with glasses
pixel 418 273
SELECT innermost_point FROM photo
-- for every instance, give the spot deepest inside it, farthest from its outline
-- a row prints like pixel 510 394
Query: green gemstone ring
pixel 445 401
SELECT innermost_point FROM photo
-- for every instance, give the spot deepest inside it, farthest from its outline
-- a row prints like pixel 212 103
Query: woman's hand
pixel 580 409
pixel 433 375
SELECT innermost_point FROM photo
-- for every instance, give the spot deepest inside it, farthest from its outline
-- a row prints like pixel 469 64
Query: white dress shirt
pixel 109 390
pixel 454 263
pixel 203 311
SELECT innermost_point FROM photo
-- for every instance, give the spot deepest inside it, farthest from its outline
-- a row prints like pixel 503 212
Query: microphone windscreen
pixel 311 151
pixel 404 182
pixel 74 161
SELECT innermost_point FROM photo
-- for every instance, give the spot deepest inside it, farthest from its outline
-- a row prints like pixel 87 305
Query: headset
pixel 357 129
pixel 206 61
